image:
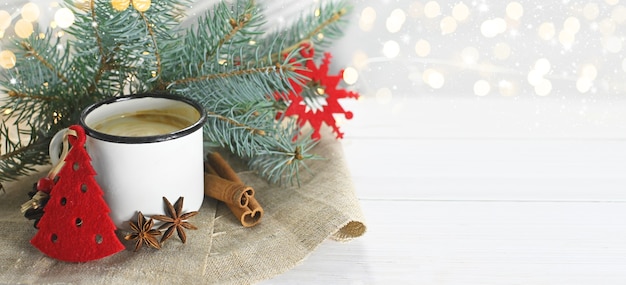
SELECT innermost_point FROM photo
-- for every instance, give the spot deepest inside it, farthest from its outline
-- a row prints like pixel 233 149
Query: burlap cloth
pixel 296 221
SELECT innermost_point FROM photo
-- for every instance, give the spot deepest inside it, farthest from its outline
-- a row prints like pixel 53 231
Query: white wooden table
pixel 464 190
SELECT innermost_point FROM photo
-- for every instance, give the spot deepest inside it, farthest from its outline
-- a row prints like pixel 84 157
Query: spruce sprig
pixel 226 61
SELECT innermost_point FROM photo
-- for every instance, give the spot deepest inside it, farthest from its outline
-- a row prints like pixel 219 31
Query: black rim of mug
pixel 145 139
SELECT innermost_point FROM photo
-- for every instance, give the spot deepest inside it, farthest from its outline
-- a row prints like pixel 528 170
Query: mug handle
pixel 56 149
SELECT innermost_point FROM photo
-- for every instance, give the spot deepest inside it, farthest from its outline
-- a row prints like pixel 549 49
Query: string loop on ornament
pixel 60 141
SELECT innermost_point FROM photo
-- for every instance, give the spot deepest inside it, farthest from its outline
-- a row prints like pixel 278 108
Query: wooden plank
pixel 488 169
pixel 465 242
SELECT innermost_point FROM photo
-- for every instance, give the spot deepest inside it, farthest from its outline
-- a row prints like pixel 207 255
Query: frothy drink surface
pixel 142 124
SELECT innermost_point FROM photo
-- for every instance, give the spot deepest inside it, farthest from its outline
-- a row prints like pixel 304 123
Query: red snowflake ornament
pixel 76 226
pixel 319 102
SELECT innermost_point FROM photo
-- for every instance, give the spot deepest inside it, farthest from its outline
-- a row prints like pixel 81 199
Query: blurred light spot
pixel 415 76
pixel 591 11
pixel 368 17
pixel 506 88
pixel 360 59
pixel 64 18
pixel 491 28
pixel 611 2
pixel 546 31
pixel 432 9
pixel 543 66
pixel 589 72
pixel 566 38
pixel 482 87
pixel 624 64
pixel 470 55
pixel 23 28
pixel 612 44
pixel 384 95
pixel 350 75
pixel 448 25
pixel 619 14
pixel 395 21
pixel 502 51
pixel 5 20
pixel 514 10
pixel 391 49
pixel 433 78
pixel 571 25
pixel 416 9
pixel 534 78
pixel 583 85
pixel 543 88
pixel 422 48
pixel 30 12
pixel 607 27
pixel 7 59
pixel 460 12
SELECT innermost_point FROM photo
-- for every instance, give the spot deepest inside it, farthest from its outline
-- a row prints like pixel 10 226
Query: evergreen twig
pixel 226 61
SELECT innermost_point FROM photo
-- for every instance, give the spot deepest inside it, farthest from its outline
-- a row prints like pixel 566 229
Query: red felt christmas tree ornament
pixel 76 226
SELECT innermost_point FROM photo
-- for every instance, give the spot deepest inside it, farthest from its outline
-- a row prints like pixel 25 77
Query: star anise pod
pixel 176 220
pixel 143 233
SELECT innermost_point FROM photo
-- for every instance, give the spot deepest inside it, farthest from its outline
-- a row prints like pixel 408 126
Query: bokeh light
pixel 391 49
pixel 7 59
pixel 395 21
pixel 5 20
pixel 367 19
pixel 23 28
pixel 448 25
pixel 514 10
pixel 350 75
pixel 432 9
pixel 493 27
pixel 30 12
pixel 384 95
pixel 422 48
pixel 591 11
pixel 460 12
pixel 64 17
pixel 502 51
pixel 482 87
pixel 433 78
pixel 547 31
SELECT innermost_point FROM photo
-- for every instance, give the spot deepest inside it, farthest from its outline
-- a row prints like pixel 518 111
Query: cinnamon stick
pixel 221 167
pixel 227 191
pixel 222 183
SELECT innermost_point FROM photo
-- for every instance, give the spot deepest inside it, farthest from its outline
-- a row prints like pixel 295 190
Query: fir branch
pixel 318 29
pixel 19 158
pixel 30 51
pixel 155 44
pixel 237 25
pixel 15 94
pixel 282 162
pixel 225 62
pixel 277 68
pixel 236 124
pixel 102 55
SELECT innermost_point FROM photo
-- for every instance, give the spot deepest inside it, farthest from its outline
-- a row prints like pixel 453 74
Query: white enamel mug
pixel 136 172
